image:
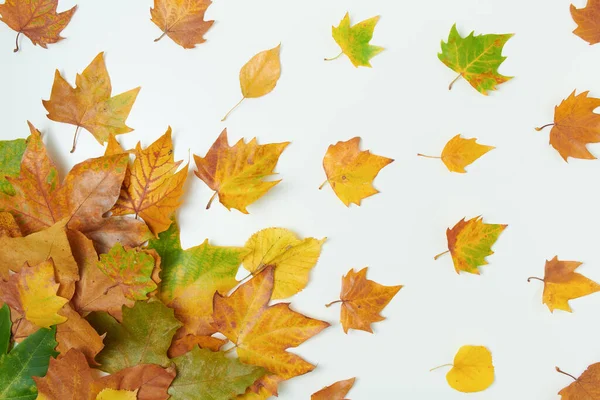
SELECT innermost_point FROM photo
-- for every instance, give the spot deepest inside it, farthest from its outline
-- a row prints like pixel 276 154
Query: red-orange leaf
pixel 337 391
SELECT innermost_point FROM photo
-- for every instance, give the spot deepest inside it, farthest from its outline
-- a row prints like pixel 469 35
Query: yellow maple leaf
pixel 472 370
pixel 236 173
pixel 562 283
pixel 113 394
pixel 459 152
pixel 350 172
pixel 292 258
pixel 153 187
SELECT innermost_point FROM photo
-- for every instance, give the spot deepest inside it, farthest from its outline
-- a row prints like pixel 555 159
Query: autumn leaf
pixel 206 375
pixel 36 19
pixel 8 225
pixel 350 172
pixel 575 125
pixel 77 334
pixel 337 391
pixel 470 242
pixel 112 394
pixel 475 58
pixel 153 187
pixel 67 378
pixel 262 333
pixel 89 104
pixel 262 388
pixel 459 152
pixel 292 258
pixel 354 41
pixel 27 360
pixel 587 386
pixel 362 300
pixel 236 173
pixel 259 76
pixel 150 381
pixel 5 326
pixel 472 370
pixel 143 337
pixel 587 20
pixel 562 283
pixel 189 280
pixel 182 21
pixel 11 153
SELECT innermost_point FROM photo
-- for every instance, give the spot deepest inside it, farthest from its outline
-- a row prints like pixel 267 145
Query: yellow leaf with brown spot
pixel 262 333
pixel 182 20
pixel 459 152
pixel 292 258
pixel 337 391
pixel 350 172
pixel 472 370
pixel 237 173
pixel 363 300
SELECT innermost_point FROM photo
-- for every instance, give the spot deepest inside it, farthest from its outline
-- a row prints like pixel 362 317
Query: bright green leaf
pixel 354 40
pixel 5 326
pixel 11 153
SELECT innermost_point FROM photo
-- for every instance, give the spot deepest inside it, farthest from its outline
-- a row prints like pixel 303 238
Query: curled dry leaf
pixel 587 386
pixel 259 76
pixel 587 21
pixel 292 258
pixel 182 21
pixel 350 172
pixel 470 242
pixel 337 391
pixel 562 283
pixel 354 41
pixel 237 173
pixel 36 19
pixel 459 153
pixel 89 104
pixel 575 125
pixel 472 370
pixel 475 58
pixel 362 300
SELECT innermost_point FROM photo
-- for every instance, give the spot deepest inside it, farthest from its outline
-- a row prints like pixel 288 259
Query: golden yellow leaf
pixel 292 258
pixel 350 172
pixel 472 370
pixel 236 173
pixel 113 394
pixel 259 75
pixel 459 152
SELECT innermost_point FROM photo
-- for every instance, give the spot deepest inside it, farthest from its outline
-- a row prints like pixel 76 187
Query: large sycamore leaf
pixel 472 369
pixel 562 283
pixel 11 153
pixel 459 152
pixel 89 105
pixel 182 21
pixel 586 387
pixel 27 360
pixel 206 375
pixel 475 58
pixel 587 21
pixel 143 337
pixel 237 173
pixel 470 242
pixel 362 300
pixel 575 125
pixel 354 40
pixel 337 391
pixel 153 186
pixel 36 19
pixel 262 333
pixel 350 172
pixel 191 277
pixel 292 258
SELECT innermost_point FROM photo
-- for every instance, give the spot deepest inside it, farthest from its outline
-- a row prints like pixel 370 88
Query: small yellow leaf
pixel 459 152
pixel 112 394
pixel 472 370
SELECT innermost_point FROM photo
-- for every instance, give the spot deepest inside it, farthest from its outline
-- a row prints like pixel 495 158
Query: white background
pixel 399 107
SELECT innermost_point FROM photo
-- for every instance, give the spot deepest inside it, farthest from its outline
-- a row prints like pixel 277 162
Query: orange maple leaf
pixel 362 300
pixel 182 21
pixel 337 391
pixel 36 19
pixel 575 125
pixel 587 21
pixel 262 333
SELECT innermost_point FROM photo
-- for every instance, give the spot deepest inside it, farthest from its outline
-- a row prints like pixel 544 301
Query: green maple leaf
pixel 30 358
pixel 143 337
pixel 11 153
pixel 475 58
pixel 354 40
pixel 206 375
pixel 131 269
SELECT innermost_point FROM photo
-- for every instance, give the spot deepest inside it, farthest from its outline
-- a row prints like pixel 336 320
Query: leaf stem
pixel 17 42
pixel 334 58
pixel 423 155
pixel 75 139
pixel 332 303
pixel 211 200
pixel 323 184
pixel 441 254
pixel 234 107
pixel 536 278
pixel 564 373
pixel 160 37
pixel 545 126
pixel 441 366
pixel 454 81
